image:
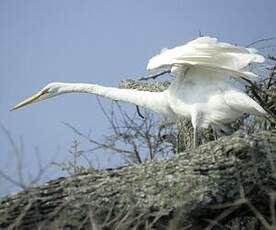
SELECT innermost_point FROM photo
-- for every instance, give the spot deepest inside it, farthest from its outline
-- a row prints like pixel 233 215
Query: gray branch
pixel 216 186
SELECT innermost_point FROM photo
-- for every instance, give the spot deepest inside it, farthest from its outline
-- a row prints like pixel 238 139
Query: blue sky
pixel 100 42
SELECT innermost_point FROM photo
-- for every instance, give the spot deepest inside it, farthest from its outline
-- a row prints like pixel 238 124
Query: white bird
pixel 201 91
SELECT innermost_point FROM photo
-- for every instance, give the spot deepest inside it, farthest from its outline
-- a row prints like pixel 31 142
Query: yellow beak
pixel 28 101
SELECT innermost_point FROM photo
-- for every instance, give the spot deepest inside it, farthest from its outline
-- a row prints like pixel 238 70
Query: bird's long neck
pixel 156 101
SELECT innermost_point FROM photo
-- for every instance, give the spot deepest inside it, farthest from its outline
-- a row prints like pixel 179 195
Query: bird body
pixel 201 90
pixel 209 99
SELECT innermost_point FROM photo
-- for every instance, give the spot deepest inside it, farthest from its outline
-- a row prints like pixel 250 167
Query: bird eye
pixel 45 91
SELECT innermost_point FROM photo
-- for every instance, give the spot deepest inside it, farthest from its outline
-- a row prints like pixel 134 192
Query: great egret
pixel 201 90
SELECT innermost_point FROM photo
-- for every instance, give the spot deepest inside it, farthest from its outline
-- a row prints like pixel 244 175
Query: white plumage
pixel 201 90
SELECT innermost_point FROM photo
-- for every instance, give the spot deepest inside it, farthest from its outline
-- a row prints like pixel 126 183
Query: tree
pixel 216 186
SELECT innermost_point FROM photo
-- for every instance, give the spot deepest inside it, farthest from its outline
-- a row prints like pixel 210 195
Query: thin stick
pixel 260 40
pixel 154 76
pixel 139 112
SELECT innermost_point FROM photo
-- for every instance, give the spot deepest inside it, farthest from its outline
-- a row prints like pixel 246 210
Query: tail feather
pixel 240 101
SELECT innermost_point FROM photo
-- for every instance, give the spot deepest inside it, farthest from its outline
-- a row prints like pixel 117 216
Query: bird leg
pixel 196 140
pixel 215 133
pixel 196 118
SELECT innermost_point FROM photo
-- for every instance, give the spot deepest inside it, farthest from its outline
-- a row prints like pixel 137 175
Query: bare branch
pixel 154 76
pixel 260 40
pixel 20 178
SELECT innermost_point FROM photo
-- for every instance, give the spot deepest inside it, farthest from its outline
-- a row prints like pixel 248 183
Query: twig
pixel 260 217
pixel 224 214
pixel 154 76
pixel 139 112
pixel 18 150
pixel 260 40
pixel 271 57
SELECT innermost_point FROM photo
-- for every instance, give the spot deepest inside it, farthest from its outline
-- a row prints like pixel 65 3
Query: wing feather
pixel 206 52
pixel 221 69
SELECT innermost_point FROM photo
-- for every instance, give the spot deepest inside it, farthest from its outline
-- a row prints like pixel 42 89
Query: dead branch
pixel 188 191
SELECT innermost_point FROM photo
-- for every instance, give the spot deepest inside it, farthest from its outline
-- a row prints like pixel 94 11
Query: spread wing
pixel 208 53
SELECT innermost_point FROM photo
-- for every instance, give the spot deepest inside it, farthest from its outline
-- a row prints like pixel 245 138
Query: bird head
pixel 51 90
